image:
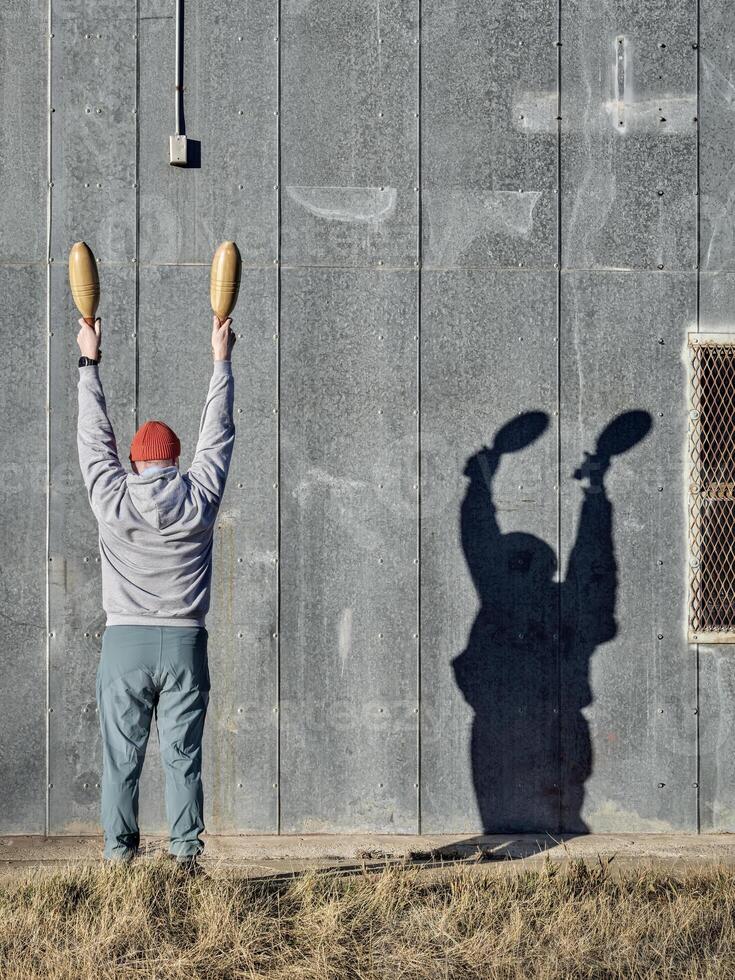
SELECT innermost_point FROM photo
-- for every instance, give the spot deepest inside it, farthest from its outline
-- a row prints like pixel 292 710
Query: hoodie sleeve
pixel 211 462
pixel 104 476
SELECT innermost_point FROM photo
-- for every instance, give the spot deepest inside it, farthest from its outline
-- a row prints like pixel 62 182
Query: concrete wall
pixel 451 213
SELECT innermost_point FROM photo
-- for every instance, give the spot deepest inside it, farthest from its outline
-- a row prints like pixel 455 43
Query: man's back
pixel 156 527
pixel 156 552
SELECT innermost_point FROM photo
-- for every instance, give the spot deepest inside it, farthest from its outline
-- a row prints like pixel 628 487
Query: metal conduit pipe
pixel 179 84
pixel 177 142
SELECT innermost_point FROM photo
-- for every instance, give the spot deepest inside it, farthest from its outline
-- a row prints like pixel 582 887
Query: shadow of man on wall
pixel 525 669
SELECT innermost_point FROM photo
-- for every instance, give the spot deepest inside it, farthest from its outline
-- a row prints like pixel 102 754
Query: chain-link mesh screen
pixel 712 488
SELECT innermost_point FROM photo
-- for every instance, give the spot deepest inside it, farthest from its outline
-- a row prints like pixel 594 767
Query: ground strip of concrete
pixel 292 853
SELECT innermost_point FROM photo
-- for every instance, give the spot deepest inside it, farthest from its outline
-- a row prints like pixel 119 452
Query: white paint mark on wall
pixel 379 39
pixel 622 111
pixel 345 637
pixel 620 66
pixel 718 207
pixel 720 214
pixel 595 194
pixel 535 111
pixel 717 82
pixel 349 502
pixel 458 215
pixel 665 114
pixel 318 479
pixel 608 817
pixel 662 113
pixel 712 324
pixel 353 204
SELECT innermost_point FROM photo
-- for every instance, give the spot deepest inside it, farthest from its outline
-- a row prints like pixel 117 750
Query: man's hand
pixel 223 339
pixel 90 338
pixel 593 468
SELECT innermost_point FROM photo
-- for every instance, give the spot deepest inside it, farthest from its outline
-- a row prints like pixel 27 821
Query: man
pixel 155 537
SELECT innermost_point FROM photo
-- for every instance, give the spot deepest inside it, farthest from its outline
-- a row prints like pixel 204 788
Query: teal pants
pixel 148 672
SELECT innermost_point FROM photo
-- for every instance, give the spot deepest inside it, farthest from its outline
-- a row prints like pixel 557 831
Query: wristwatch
pixel 85 361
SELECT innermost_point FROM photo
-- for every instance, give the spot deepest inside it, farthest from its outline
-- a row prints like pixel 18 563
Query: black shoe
pixel 188 863
pixel 125 858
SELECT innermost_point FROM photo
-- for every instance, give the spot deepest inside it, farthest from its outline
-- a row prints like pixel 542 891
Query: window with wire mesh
pixel 712 488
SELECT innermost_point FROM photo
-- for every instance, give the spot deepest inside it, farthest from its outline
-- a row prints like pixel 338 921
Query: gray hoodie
pixel 156 529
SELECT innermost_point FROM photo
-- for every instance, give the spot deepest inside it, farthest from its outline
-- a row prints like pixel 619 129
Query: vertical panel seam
pixel 279 711
pixel 136 244
pixel 560 773
pixel 697 772
pixel 419 258
pixel 49 192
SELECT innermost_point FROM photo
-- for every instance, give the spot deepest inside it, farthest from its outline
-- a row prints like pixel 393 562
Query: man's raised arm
pixel 102 472
pixel 211 462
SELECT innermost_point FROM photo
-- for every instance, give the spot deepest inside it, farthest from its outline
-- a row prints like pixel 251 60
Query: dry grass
pixel 571 921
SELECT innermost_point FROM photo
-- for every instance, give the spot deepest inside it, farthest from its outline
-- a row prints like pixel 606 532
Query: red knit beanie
pixel 154 440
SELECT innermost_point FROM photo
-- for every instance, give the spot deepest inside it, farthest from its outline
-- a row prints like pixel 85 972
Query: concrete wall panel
pixel 628 677
pixel 489 133
pixel 76 616
pixel 717 738
pixel 348 549
pixel 23 173
pixel 23 564
pixel 230 112
pixel 240 764
pixel 93 92
pixel 716 681
pixel 489 609
pixel 716 135
pixel 24 36
pixel 349 133
pixel 629 134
